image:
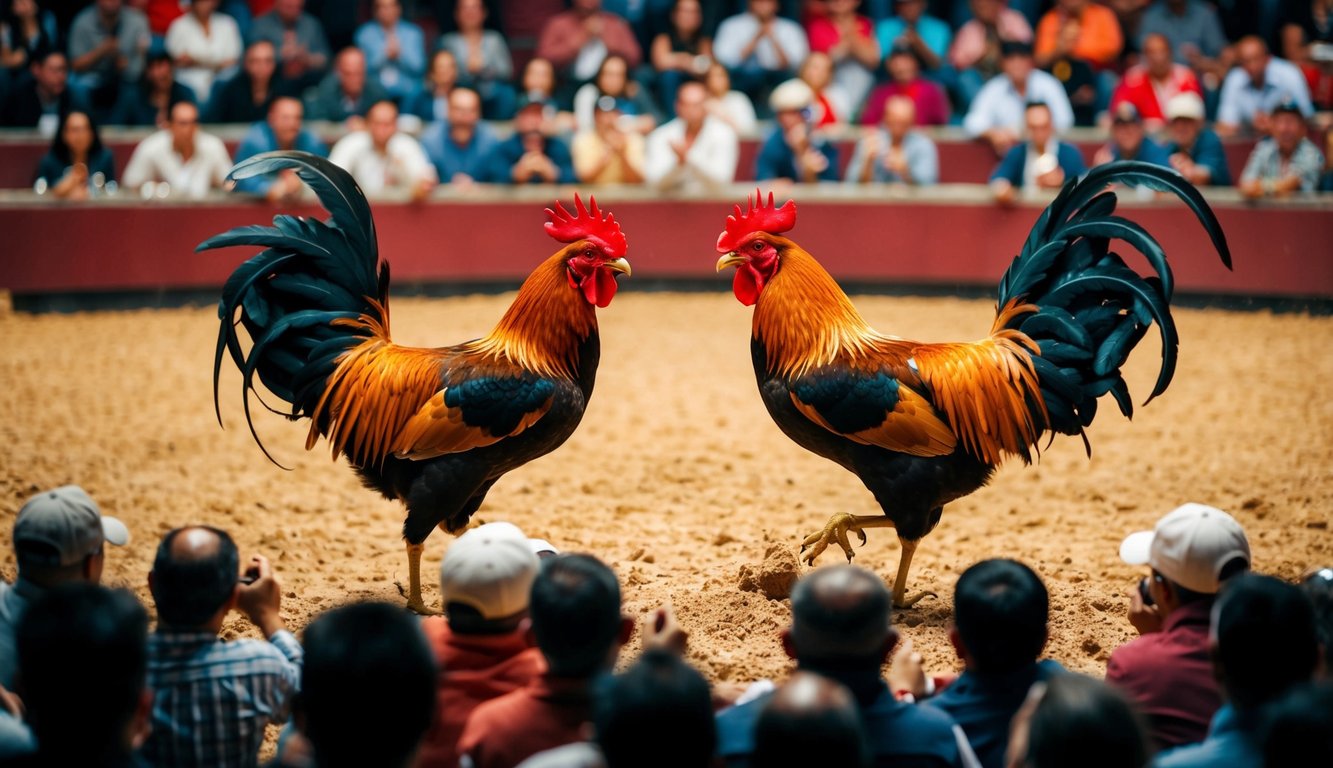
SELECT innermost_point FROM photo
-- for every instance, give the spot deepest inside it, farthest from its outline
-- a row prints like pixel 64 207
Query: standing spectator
pixel 911 27
pixel 431 103
pixel 932 106
pixel 303 51
pixel 43 100
pixel 108 43
pixel 1154 82
pixel 830 105
pixel 975 55
pixel 1286 162
pixel 245 97
pixel 810 720
pixel 1077 720
pixel 1043 162
pixel 1081 30
pixel 1252 90
pixel 530 156
pixel 682 51
pixel 794 150
pixel 731 107
pixel 395 50
pixel 848 38
pixel 608 154
pixel 1167 671
pixel 613 80
pixel 895 153
pixel 205 44
pixel 1129 140
pixel 282 130
pixel 25 29
pixel 998 112
pixel 1193 31
pixel 487 66
pixel 212 699
pixel 189 162
pixel 384 160
pixel 58 537
pixel 1195 150
pixel 760 49
pixel 148 102
pixel 78 165
pixel 461 147
pixel 577 41
pixel 346 92
pixel 696 152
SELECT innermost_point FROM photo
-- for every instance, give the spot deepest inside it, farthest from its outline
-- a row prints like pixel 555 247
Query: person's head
pixel 1072 7
pixel 109 9
pixel 1191 552
pixel 1016 61
pixel 486 580
pixel 260 61
pixel 159 72
pixel 910 11
pixel 1072 719
pixel 388 13
pixel 470 15
pixel 284 118
pixel 840 620
pixel 1037 121
pixel 82 664
pixel 1000 612
pixel 717 80
pixel 464 109
pixel 382 123
pixel 350 69
pixel 613 75
pixel 764 9
pixel 1252 56
pixel 58 534
pixel 1318 587
pixel 183 122
pixel 606 114
pixel 1288 126
pixel 690 98
pixel 538 77
pixel 659 694
pixel 203 9
pixel 1127 129
pixel 374 654
pixel 987 11
pixel 817 70
pixel 902 65
pixel 810 720
pixel 50 70
pixel 585 7
pixel 443 72
pixel 1263 639
pixel 687 17
pixel 195 577
pixel 791 103
pixel 1298 728
pixel 1157 55
pixel 575 613
pixel 899 116
pixel 23 9
pixel 841 9
pixel 288 10
pixel 1184 113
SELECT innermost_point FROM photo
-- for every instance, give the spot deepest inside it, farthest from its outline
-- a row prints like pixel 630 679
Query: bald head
pixel 840 616
pixel 811 720
pixel 194 576
pixel 899 116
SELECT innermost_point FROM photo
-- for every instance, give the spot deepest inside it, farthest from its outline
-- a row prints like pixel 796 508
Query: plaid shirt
pixel 212 699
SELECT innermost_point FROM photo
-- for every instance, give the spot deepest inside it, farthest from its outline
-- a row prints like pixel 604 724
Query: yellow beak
pixel 618 265
pixel 730 260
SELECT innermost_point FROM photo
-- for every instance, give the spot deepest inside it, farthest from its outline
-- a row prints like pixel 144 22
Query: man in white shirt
pixel 760 49
pixel 384 161
pixel 997 113
pixel 178 160
pixel 1258 84
pixel 696 151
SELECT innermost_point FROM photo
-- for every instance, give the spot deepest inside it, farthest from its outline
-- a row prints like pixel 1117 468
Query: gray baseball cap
pixel 66 525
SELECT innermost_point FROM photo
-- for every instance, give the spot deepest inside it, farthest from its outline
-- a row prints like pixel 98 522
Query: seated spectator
pixel 1193 32
pixel 731 107
pixel 608 154
pixel 681 51
pixel 695 152
pixel 212 699
pixel 1318 587
pixel 1256 87
pixel 149 102
pixel 576 620
pixel 1150 85
pixel 108 43
pixel 487 66
pixel 375 654
pixel 1129 140
pixel 998 112
pixel 1286 162
pixel 188 162
pixel 1077 720
pixel 794 149
pixel 1298 728
pixel 26 30
pixel 848 39
pixel 1264 645
pixel 841 629
pixel 77 165
pixel 205 44
pixel 1167 671
pixel 538 84
pixel 932 106
pixel 57 539
pixel 895 153
pixel 810 720
pixel 395 51
pixel 830 105
pixel 345 93
pixel 282 130
pixel 912 28
pixel 383 160
pixel 530 156
pixel 1195 151
pixel 760 49
pixel 431 103
pixel 975 56
pixel 461 147
pixel 1043 162
pixel 1305 29
pixel 576 42
pixel 298 37
pixel 613 80
pixel 1081 30
pixel 246 96
pixel 42 100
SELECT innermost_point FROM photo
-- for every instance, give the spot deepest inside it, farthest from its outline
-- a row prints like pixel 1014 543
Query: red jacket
pixel 1138 89
pixel 549 713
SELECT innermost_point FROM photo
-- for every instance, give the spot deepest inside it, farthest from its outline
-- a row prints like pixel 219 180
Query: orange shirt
pixel 1099 39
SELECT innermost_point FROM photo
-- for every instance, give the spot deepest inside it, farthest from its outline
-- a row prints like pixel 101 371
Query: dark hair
pixel 811 720
pixel 1318 586
pixel 82 660
pixel 575 611
pixel 189 592
pixel 373 654
pixel 1266 639
pixel 467 620
pixel 1031 105
pixel 840 618
pixel 628 88
pixel 658 694
pixel 1085 722
pixel 1001 608
pixel 61 150
pixel 1298 728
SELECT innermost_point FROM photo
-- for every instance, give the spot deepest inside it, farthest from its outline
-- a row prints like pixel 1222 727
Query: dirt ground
pixel 677 476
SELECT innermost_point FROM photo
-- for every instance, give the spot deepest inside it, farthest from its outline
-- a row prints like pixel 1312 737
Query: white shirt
pixel 1240 98
pixel 156 159
pixel 209 49
pixel 400 168
pixel 737 110
pixel 710 161
pixel 999 105
pixel 735 33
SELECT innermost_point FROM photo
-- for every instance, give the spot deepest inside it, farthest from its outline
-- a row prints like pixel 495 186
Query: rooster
pixel 925 424
pixel 433 428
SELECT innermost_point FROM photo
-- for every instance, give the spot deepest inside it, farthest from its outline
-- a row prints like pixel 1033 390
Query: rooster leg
pixel 900 599
pixel 414 601
pixel 836 530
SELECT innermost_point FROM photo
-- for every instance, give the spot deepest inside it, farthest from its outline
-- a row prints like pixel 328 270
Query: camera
pixel 1143 591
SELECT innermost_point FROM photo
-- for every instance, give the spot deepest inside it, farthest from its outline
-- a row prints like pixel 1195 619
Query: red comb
pixel 765 218
pixel 587 225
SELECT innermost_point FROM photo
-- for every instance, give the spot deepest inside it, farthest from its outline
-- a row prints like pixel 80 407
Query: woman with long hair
pixel 77 164
pixel 613 79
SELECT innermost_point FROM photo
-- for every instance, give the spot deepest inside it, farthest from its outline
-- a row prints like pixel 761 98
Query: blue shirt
pixel 1207 152
pixel 999 104
pixel 472 159
pixel 934 33
pixel 260 139
pixel 1197 26
pixel 777 161
pixel 14 601
pixel 1232 743
pixel 1241 98
pixel 1149 152
pixel 919 152
pixel 1011 167
pixel 983 706
pixel 507 153
pixel 402 75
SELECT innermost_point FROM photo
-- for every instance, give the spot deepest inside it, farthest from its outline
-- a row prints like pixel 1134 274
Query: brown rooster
pixel 434 428
pixel 925 424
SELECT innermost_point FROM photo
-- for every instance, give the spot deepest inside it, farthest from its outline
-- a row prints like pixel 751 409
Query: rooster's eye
pixel 758 246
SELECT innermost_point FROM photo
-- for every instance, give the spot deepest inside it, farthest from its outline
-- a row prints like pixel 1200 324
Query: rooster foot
pixel 416 605
pixel 909 602
pixel 835 530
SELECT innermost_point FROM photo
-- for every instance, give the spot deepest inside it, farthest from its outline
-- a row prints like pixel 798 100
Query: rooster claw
pixel 910 602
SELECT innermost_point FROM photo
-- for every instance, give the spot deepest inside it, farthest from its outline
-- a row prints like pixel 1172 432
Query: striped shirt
pixel 212 699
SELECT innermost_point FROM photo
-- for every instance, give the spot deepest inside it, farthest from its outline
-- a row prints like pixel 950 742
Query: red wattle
pixel 747 284
pixel 600 287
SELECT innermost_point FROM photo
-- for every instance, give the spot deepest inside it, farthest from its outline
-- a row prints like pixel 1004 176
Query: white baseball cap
pixel 790 95
pixel 489 568
pixel 67 526
pixel 1187 104
pixel 1189 546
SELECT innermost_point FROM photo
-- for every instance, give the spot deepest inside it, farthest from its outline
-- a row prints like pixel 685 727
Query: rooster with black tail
pixel 925 424
pixel 434 428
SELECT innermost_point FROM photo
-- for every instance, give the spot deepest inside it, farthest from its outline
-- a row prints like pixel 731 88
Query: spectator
pixel 1043 162
pixel 998 112
pixel 25 30
pixel 794 150
pixel 1153 83
pixel 1129 140
pixel 298 37
pixel 840 629
pixel 150 100
pixel 1252 90
pixel 1264 645
pixel 395 51
pixel 487 67
pixel 1318 587
pixel 848 39
pixel 431 103
pixel 1195 151
pixel 810 720
pixel 608 154
pixel 87 639
pixel 78 165
pixel 830 105
pixel 695 152
pixel 975 54
pixel 681 51
pixel 1304 31
pixel 384 160
pixel 108 43
pixel 189 163
pixel 246 96
pixel 1193 32
pixel 613 80
pixel 205 44
pixel 911 27
pixel 43 100
pixel 759 48
pixel 1167 670
pixel 577 41
pixel 1077 720
pixel 576 620
pixel 538 84
pixel 1081 30
pixel 282 130
pixel 1284 163
pixel 895 153
pixel 346 92
pixel 461 147
pixel 932 106
pixel 530 156
pixel 1298 728
pixel 731 107
pixel 374 654
pixel 212 699
pixel 58 537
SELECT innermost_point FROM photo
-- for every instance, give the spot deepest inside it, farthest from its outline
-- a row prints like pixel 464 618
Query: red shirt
pixel 549 713
pixel 824 34
pixel 1149 97
pixel 932 108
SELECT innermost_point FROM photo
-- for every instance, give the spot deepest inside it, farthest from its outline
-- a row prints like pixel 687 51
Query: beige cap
pixel 67 526
pixel 489 568
pixel 791 94
pixel 1189 546
pixel 1187 105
